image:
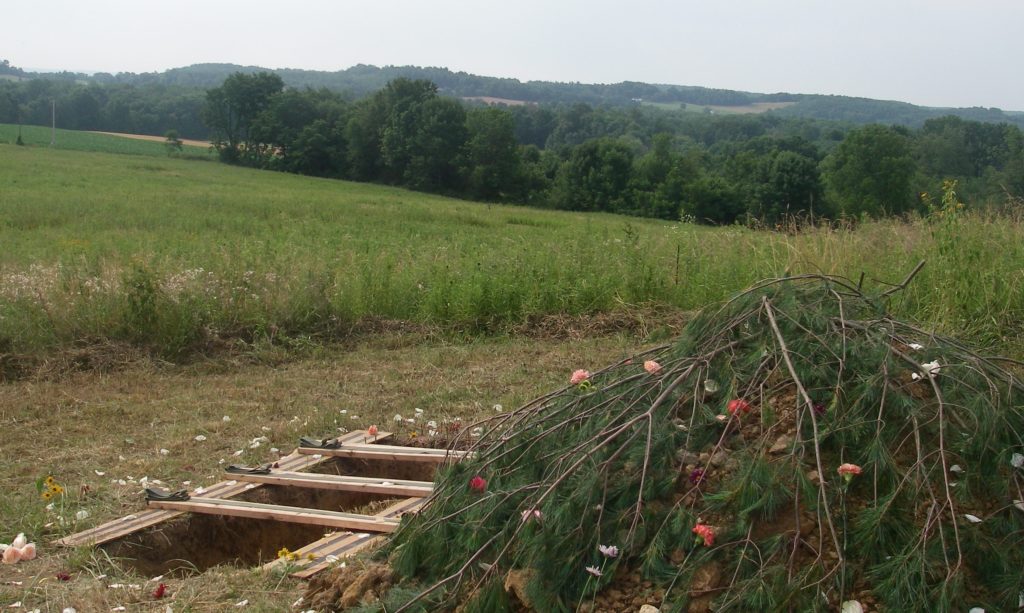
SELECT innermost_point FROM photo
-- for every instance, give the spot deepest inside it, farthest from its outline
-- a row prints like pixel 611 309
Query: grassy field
pixel 177 256
pixel 73 140
pixel 110 259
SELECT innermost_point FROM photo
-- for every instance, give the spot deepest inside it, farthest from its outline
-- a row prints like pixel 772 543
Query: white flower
pixel 478 431
pixel 242 603
pixel 432 424
pixel 710 386
pixel 608 551
pixel 593 570
pixel 238 453
pixel 498 408
pixel 80 515
pixel 398 418
pixel 164 452
pixel 200 438
pixel 974 519
pixel 1017 461
pixel 915 346
pixel 99 473
pixel 418 410
pixel 275 450
pixel 931 368
pixel 226 418
pixel 265 428
pixel 410 421
pixel 955 469
pixel 851 606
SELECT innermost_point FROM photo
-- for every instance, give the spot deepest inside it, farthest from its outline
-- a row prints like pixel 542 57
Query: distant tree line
pixel 152 109
pixel 636 161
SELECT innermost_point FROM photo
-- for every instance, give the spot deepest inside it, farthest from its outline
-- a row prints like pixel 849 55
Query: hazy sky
pixel 932 52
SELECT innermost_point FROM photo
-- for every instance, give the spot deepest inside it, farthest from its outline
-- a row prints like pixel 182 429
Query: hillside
pixel 361 80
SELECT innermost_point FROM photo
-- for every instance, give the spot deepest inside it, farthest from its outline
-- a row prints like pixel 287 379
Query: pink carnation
pixel 478 484
pixel 579 376
pixel 652 367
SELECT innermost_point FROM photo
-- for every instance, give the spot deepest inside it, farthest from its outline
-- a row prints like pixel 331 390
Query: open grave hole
pixel 196 542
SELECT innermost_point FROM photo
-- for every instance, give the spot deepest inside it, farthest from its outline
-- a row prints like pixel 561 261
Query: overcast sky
pixel 931 52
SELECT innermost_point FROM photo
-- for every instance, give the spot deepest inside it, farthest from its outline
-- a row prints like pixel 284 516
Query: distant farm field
pixel 175 255
pixel 739 109
pixel 74 140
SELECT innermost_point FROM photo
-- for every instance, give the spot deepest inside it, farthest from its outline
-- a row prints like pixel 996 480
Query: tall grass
pixel 171 254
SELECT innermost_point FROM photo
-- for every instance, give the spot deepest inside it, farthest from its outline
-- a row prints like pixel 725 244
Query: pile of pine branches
pixel 795 449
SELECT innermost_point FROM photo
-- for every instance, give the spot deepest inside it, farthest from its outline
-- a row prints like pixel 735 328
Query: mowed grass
pixel 74 140
pixel 177 255
pixel 99 434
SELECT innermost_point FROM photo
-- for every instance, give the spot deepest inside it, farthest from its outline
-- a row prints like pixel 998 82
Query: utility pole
pixel 53 119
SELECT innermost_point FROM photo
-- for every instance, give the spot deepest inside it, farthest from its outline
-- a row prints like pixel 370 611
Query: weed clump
pixel 794 449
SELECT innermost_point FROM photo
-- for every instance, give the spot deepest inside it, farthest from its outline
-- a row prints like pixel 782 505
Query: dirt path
pixel 159 139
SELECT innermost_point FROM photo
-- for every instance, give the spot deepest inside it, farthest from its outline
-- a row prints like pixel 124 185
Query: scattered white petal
pixel 49 507
pixel 238 453
pixel 974 519
pixel 498 408
pixel 398 419
pixel 331 558
pixel 119 609
pixel 249 486
pixel 16 605
pixel 298 602
pixel 122 482
pixel 931 368
pixel 232 482
pixel 155 579
pixel 1017 461
pixel 916 347
pixel 710 386
pixel 275 450
pixel 317 456
pixel 432 424
pixel 851 606
pixel 186 483
pixel 254 444
pixel 199 491
pixel 99 473
pixel 386 483
pixel 242 603
pixel 265 428
pixel 80 515
pixel 418 411
pixel 120 458
pixel 955 469
pixel 720 417
pixel 226 418
pixel 200 438
pixel 165 451
pixel 976 610
pixel 343 411
pixel 410 421
pixel 915 376
pixel 1019 504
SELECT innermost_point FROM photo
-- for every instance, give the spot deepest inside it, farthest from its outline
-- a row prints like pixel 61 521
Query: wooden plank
pixel 389 452
pixel 369 485
pixel 343 544
pixel 295 515
pixel 124 526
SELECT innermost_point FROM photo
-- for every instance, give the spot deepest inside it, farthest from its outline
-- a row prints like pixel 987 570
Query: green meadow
pixel 173 254
pixel 73 140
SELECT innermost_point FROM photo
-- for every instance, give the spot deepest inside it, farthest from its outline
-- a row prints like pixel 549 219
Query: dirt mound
pixel 349 586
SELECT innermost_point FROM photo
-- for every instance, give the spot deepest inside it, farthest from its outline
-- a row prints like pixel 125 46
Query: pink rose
pixel 579 376
pixel 652 367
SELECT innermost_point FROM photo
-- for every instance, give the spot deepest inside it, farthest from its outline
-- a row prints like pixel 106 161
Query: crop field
pixel 73 140
pixel 142 268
